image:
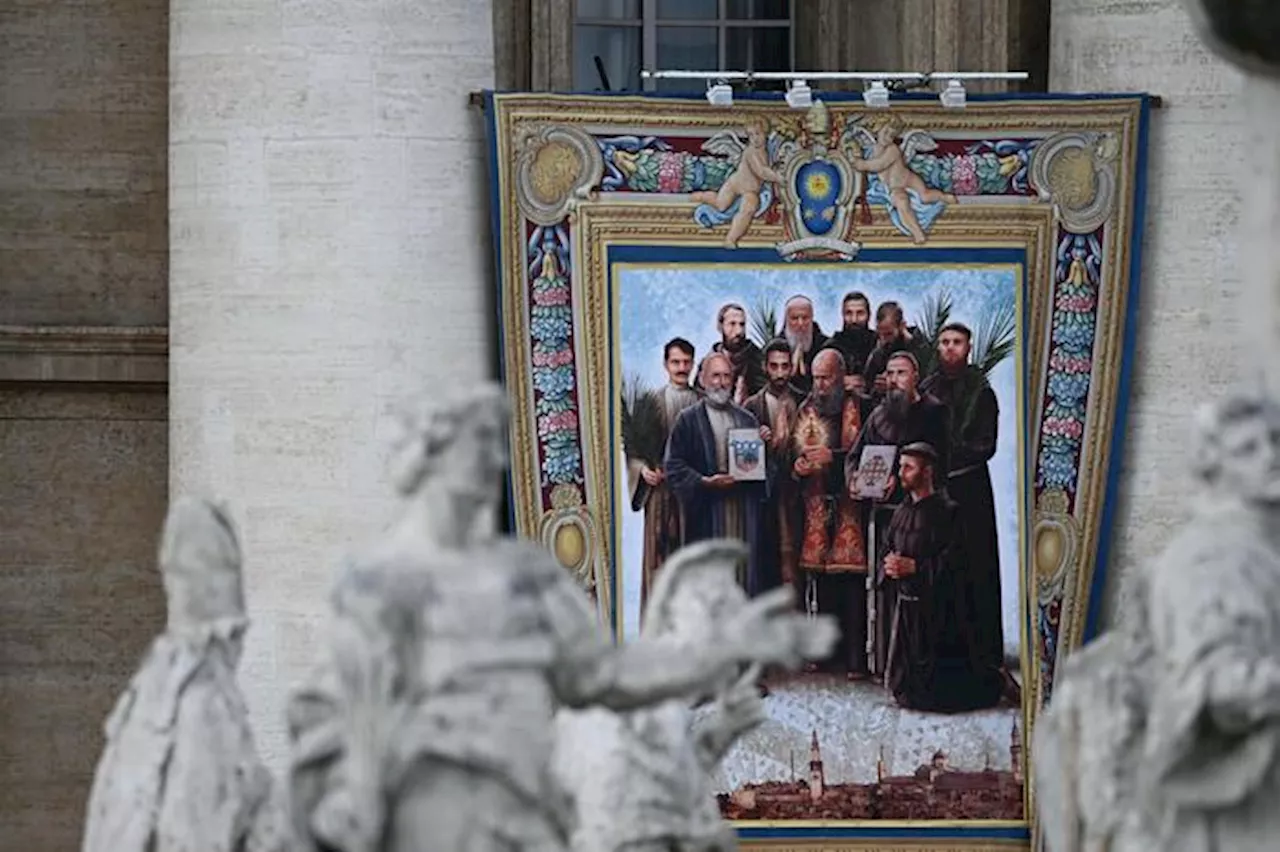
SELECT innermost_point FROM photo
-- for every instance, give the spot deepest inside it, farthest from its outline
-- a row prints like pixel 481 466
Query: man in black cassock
pixel 712 503
pixel 933 663
pixel 893 335
pixel 904 417
pixel 774 407
pixel 855 339
pixel 975 416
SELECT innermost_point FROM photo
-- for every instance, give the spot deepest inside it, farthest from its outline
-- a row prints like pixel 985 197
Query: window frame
pixel 648 24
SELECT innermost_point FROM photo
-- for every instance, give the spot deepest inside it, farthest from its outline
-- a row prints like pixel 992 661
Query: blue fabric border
pixel 1098 583
pixel 495 225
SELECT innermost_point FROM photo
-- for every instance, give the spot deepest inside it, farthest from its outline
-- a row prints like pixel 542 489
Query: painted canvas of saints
pixel 886 400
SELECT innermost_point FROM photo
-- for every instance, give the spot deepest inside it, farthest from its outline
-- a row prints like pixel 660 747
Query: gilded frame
pixel 1084 175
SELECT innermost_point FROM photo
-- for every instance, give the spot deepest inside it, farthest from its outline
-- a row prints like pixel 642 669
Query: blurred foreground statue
pixel 429 724
pixel 180 772
pixel 641 781
pixel 1164 734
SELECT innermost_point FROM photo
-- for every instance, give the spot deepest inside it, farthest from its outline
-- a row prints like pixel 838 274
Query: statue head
pixel 1237 446
pixel 1244 32
pixel 453 440
pixel 200 564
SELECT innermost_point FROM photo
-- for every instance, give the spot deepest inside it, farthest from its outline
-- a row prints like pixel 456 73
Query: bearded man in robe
pixel 905 416
pixel 975 415
pixel 833 555
pixel 712 503
pixel 806 339
pixel 746 357
pixel 855 339
pixel 663 533
pixel 932 660
pixel 774 408
pixel 893 335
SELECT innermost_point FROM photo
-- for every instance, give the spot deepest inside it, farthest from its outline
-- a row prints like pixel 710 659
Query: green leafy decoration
pixel 995 337
pixel 934 314
pixel 643 429
pixel 764 323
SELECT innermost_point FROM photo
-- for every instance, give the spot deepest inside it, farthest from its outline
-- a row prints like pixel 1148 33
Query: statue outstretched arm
pixel 592 670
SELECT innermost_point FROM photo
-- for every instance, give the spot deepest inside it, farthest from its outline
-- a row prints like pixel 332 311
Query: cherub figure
pixel 904 190
pixel 1165 733
pixel 180 771
pixel 430 724
pixel 739 196
pixel 641 781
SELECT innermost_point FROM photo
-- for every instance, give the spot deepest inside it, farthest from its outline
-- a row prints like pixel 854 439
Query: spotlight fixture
pixel 876 95
pixel 799 95
pixel 720 94
pixel 953 95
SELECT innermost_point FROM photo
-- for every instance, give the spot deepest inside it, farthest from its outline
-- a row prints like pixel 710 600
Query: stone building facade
pixel 233 231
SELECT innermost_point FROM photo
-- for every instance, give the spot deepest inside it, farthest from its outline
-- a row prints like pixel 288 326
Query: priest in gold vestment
pixel 833 553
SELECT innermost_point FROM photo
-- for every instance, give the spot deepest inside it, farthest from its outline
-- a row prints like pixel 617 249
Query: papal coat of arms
pixel 818 188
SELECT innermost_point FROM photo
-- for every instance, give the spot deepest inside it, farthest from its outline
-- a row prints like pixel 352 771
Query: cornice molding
pixel 69 353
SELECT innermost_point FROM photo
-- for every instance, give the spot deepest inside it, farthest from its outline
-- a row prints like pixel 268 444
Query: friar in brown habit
pixel 933 662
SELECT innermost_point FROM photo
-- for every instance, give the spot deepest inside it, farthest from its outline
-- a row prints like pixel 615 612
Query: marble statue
pixel 1165 733
pixel 641 781
pixel 429 723
pixel 1247 32
pixel 180 772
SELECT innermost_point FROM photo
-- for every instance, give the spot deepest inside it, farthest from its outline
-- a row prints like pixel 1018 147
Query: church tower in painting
pixel 817 778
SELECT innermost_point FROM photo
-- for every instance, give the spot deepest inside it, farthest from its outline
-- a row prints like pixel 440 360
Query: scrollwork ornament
pixel 557 166
pixel 1076 172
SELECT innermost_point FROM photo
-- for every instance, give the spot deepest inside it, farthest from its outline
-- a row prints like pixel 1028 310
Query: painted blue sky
pixel 660 302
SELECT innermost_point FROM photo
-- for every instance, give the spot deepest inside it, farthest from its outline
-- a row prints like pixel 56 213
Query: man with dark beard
pixel 774 408
pixel 932 662
pixel 712 503
pixel 904 417
pixel 747 360
pixel 975 416
pixel 833 556
pixel 806 339
pixel 893 335
pixel 855 340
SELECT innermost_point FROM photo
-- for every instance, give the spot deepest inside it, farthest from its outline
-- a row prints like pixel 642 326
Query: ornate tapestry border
pixel 1062 177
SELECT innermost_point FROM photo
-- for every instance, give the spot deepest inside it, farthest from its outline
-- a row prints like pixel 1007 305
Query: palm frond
pixel 935 313
pixel 995 337
pixel 764 323
pixel 643 430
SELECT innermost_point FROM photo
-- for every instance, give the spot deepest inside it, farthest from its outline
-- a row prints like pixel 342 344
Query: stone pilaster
pixel 329 251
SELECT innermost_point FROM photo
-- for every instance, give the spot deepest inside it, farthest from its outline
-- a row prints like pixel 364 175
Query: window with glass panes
pixel 677 35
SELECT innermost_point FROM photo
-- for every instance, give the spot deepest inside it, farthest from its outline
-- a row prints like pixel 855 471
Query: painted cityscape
pixel 933 791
